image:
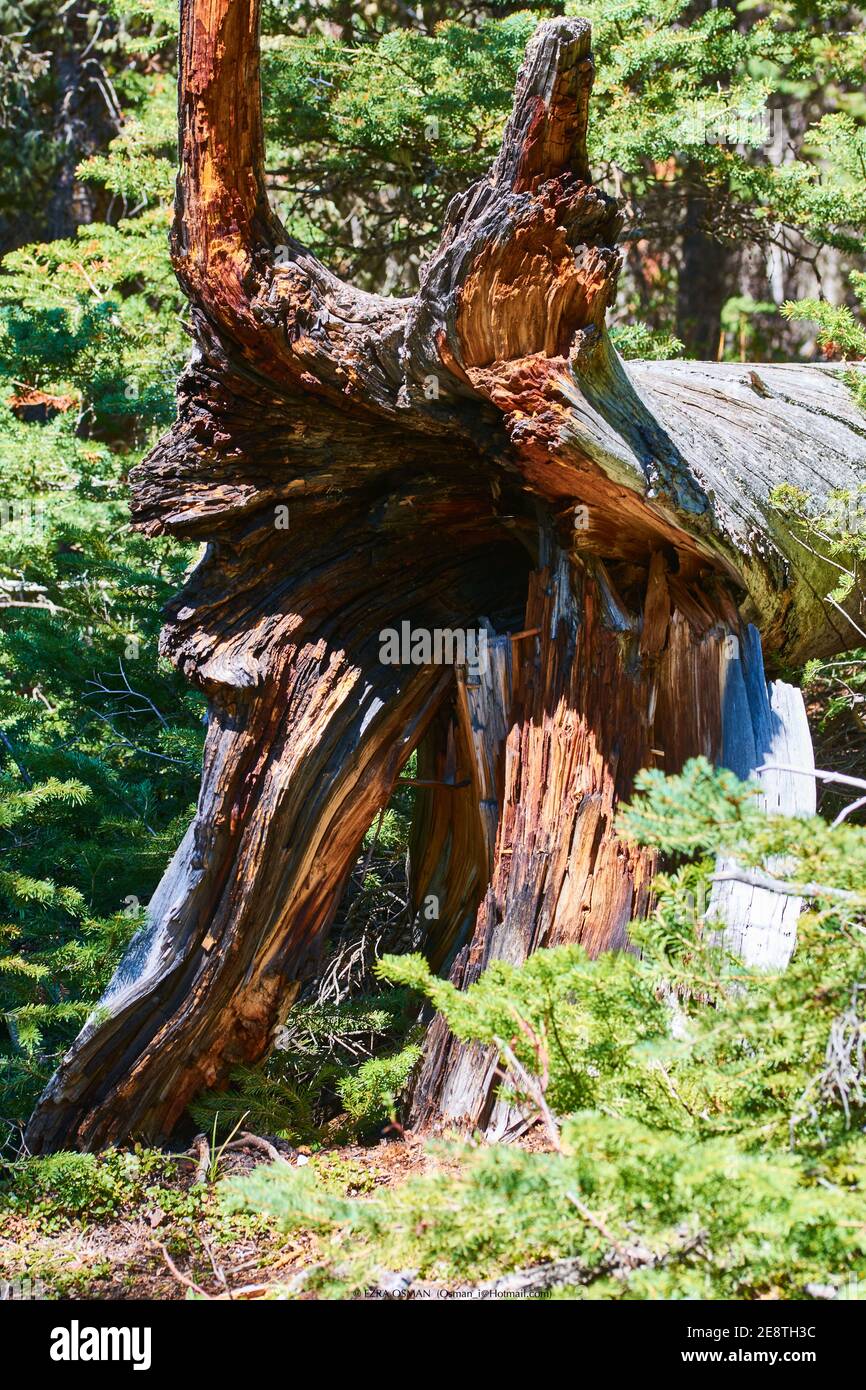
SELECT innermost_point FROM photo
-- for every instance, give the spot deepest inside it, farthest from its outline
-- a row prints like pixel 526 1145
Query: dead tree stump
pixel 474 458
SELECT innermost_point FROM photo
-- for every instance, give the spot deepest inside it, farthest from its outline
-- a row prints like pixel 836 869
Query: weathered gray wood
pixel 762 724
pixel 452 845
pixel 715 439
pixel 746 431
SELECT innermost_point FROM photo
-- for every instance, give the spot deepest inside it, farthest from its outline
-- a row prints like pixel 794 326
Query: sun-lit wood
pixel 476 457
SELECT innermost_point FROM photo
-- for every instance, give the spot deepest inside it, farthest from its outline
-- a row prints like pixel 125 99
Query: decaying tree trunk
pixel 476 458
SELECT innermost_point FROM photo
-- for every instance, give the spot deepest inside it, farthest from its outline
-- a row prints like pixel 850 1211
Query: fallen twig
pixel 599 1225
pixel 182 1278
pixel 573 1270
pixel 255 1141
pixel 757 878
pixel 533 1089
pixel 822 776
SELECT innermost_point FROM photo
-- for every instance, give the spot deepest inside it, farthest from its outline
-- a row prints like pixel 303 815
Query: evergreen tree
pixel 704 1121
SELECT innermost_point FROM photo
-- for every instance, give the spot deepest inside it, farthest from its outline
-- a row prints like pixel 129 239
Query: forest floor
pixel 166 1235
pixel 179 1242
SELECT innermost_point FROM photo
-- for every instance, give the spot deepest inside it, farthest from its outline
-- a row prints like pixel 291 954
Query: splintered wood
pixel 473 458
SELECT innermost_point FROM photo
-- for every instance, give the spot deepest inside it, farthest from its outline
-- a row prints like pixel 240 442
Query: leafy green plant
pixel 637 340
pixel 99 740
pixel 331 1061
pixel 372 1092
pixel 835 528
pixel 706 1120
pixel 68 1187
pixel 840 333
pixel 217 1150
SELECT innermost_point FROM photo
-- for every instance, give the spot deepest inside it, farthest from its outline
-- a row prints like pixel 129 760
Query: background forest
pixel 735 134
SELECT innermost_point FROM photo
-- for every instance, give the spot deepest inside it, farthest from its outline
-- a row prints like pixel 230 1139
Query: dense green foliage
pixel 342 1062
pixel 372 134
pixel 841 332
pixel 711 1118
pixel 68 1186
pixel 100 739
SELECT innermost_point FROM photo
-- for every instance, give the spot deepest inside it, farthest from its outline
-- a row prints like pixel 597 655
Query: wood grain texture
pixel 600 692
pixel 762 724
pixel 477 455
